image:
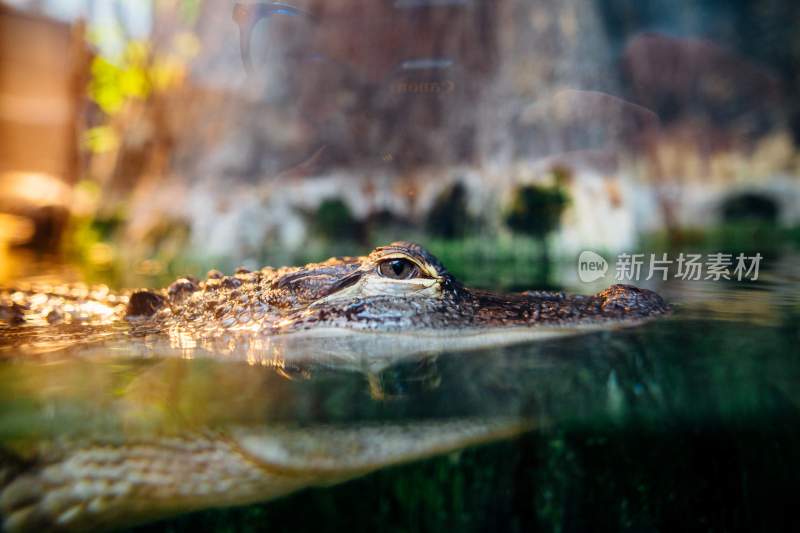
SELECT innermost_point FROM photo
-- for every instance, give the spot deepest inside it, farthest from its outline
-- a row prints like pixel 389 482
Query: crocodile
pixel 106 482
pixel 398 299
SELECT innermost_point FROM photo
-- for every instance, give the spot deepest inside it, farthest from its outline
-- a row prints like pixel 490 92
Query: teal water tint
pixel 690 423
pixel 681 425
pixel 687 423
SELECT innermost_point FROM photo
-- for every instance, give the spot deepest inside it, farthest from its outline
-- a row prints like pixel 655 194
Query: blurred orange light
pixel 33 189
pixel 15 229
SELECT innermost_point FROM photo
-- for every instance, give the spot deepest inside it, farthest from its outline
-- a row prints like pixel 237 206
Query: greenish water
pixel 692 423
pixel 687 423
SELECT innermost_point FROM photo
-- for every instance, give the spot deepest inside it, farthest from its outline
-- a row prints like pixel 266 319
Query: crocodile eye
pixel 398 269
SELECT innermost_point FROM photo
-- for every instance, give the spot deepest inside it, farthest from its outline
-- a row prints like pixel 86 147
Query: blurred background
pixel 141 139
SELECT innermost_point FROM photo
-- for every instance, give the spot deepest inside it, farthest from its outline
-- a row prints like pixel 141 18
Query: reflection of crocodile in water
pixel 108 482
pixel 398 297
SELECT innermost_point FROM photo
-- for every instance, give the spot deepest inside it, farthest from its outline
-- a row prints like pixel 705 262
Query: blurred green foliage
pixel 449 217
pixel 333 221
pixel 536 210
pixel 136 75
pixel 742 235
pixel 113 83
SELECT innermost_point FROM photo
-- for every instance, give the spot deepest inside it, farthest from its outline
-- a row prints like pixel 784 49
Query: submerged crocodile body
pixel 400 292
pixel 106 482
pixel 397 300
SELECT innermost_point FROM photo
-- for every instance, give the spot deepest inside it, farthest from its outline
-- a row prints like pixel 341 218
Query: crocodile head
pixel 400 290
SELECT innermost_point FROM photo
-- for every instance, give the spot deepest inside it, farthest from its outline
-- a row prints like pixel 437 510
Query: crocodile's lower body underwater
pixel 364 313
pixel 105 483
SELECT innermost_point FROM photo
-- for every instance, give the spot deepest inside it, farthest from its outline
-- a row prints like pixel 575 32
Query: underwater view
pixel 399 265
pixel 689 421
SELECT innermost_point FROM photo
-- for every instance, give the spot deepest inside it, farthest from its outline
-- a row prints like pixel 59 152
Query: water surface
pixel 686 422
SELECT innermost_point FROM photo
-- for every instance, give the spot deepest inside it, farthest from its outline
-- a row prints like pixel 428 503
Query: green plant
pixel 536 210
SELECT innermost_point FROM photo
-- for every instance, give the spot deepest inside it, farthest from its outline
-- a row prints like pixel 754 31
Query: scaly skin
pixel 107 483
pixel 340 297
pixel 398 299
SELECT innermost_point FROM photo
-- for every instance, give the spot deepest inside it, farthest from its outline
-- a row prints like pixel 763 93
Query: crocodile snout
pixel 631 302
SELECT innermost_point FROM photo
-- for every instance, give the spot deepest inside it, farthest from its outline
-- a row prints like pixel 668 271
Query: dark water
pixel 687 423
